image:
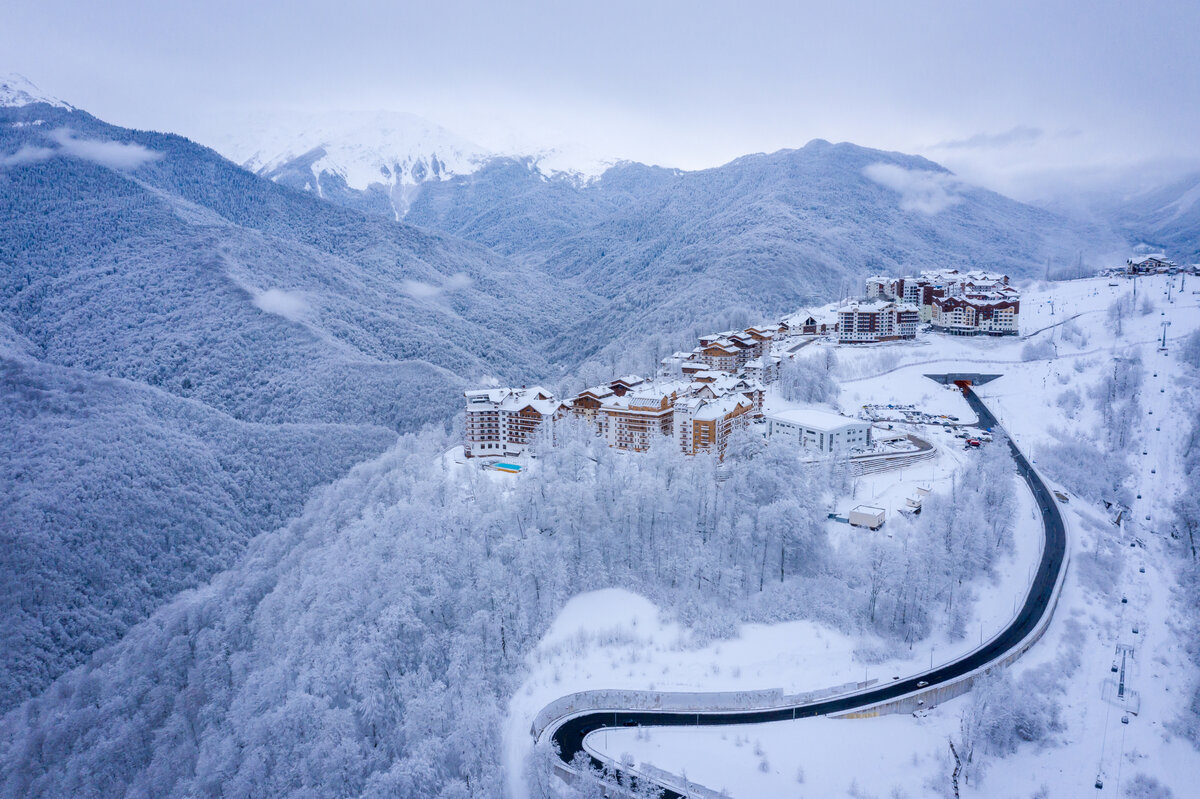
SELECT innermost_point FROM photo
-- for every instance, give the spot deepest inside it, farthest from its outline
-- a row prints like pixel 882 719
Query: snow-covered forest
pixel 368 648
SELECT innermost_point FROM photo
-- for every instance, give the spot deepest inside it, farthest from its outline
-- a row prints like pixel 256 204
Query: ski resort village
pixel 626 438
pixel 700 398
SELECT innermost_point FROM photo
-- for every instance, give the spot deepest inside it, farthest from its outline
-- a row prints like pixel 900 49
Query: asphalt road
pixel 570 734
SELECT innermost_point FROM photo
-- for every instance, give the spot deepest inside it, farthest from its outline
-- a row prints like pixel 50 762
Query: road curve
pixel 570 732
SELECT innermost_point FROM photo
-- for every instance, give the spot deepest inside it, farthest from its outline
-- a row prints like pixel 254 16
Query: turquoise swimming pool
pixel 506 467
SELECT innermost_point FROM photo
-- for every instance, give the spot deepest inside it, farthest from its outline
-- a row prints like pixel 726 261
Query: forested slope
pixel 369 647
pixel 187 351
pixel 118 496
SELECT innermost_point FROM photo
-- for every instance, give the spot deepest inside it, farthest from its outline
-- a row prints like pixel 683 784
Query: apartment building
pixel 633 421
pixel 505 421
pixel 977 314
pixel 877 320
pixel 705 425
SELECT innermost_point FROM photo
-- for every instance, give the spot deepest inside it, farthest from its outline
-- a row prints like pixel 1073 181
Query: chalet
pixel 722 355
pixel 716 386
pixel 764 369
pixel 586 404
pixel 673 364
pixel 924 289
pixel 623 385
pixel 881 288
pixel 505 421
pixel 1149 265
pixel 807 323
pixel 763 335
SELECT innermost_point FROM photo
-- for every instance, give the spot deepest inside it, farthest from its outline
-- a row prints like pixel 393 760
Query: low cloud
pixel 920 190
pixel 1019 135
pixel 421 291
pixel 28 154
pixel 288 304
pixel 112 154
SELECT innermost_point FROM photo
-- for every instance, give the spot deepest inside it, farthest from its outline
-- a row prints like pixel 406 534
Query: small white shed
pixel 867 516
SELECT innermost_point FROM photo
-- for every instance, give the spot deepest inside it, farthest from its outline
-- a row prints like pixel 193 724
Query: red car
pixel 972 442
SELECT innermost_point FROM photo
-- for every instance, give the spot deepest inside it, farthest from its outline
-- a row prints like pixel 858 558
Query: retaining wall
pixel 680 701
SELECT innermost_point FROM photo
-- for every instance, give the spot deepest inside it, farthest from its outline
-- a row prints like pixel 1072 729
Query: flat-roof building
pixel 867 516
pixel 819 430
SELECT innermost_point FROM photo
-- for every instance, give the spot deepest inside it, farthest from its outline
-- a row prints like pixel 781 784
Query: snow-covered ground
pixel 612 639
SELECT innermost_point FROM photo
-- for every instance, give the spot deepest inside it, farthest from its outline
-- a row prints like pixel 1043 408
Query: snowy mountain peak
pixel 18 90
pixel 386 153
pixel 379 159
pixel 388 148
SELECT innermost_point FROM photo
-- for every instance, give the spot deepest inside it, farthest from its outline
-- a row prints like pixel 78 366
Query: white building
pixel 877 320
pixel 867 516
pixel 818 430
pixel 504 421
pixel 880 287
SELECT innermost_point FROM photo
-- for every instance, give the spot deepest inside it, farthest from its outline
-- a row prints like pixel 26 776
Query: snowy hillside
pixel 118 496
pixel 1166 218
pixel 175 330
pixel 377 645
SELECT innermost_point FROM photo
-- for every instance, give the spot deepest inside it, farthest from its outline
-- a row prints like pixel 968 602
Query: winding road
pixel 569 732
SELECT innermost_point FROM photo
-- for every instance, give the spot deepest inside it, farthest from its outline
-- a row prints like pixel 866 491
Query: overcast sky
pixel 1006 93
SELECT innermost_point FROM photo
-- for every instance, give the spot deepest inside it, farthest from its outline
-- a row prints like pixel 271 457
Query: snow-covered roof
pixel 866 306
pixel 977 300
pixel 599 392
pixel 490 394
pixel 544 407
pixel 1144 259
pixel 514 399
pixel 814 419
pixel 797 318
pixel 719 408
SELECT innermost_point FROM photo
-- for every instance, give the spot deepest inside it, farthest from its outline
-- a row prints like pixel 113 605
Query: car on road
pixel 922 683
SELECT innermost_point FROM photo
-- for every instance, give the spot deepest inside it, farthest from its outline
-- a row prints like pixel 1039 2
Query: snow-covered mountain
pixel 354 158
pixel 17 90
pixel 377 161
